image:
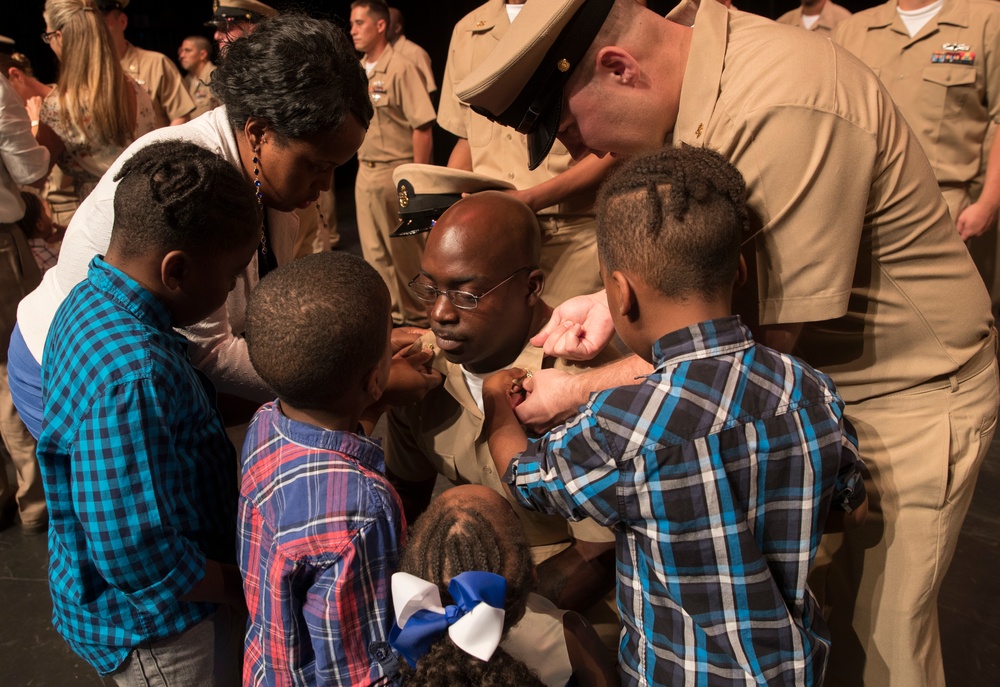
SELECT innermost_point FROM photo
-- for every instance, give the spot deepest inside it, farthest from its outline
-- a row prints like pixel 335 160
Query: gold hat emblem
pixel 215 6
pixel 404 199
pixel 563 65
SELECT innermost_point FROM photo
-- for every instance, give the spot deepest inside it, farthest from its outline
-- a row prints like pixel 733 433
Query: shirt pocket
pixel 949 90
pixel 379 93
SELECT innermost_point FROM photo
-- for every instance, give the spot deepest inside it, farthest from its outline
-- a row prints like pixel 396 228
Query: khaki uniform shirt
pixel 401 105
pixel 497 151
pixel 951 107
pixel 201 94
pixel 444 435
pixel 419 57
pixel 161 80
pixel 829 17
pixel 852 235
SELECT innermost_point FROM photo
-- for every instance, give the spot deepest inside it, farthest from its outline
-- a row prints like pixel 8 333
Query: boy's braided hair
pixel 676 219
pixel 174 195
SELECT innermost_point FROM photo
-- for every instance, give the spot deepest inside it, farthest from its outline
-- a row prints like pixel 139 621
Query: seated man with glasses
pixel 482 289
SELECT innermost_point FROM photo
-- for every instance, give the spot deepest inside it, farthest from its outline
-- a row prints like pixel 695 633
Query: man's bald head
pixel 492 225
pixel 486 245
pixel 396 25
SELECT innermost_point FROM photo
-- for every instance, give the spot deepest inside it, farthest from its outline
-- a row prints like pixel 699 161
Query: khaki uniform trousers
pixel 317 226
pixel 18 276
pixel 396 260
pixel 923 449
pixel 569 258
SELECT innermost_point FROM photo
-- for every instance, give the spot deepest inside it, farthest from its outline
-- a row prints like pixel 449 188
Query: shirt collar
pixel 703 340
pixel 382 63
pixel 355 446
pixel 129 294
pixel 954 13
pixel 703 74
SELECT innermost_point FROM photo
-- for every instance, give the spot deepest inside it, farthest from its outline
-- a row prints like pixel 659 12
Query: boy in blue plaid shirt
pixel 719 470
pixel 139 475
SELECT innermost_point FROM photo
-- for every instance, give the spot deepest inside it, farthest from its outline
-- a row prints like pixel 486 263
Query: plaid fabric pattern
pixel 320 532
pixel 718 471
pixel 139 475
pixel 44 256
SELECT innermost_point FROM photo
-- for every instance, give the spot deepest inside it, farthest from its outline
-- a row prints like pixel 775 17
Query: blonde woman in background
pixel 96 110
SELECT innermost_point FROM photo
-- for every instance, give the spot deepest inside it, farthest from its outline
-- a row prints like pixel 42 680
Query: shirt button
pixel 488 470
pixel 509 137
pixel 510 175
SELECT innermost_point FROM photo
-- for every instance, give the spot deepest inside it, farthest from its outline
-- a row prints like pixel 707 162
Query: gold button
pixel 563 65
pixel 480 24
pixel 699 131
pixel 510 175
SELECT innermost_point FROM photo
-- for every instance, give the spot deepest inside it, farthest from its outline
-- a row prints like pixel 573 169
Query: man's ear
pixel 619 63
pixel 536 283
pixel 627 304
pixel 174 269
pixel 380 27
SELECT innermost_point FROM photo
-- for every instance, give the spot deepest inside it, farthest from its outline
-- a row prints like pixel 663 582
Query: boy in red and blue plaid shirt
pixel 320 528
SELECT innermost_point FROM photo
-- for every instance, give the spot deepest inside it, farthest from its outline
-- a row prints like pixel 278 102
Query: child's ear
pixel 627 304
pixel 374 386
pixel 741 273
pixel 174 269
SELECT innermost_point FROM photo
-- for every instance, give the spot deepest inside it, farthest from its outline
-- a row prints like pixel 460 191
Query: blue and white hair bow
pixel 474 623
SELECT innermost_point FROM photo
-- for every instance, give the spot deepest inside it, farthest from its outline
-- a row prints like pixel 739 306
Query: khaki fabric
pixel 850 238
pixel 199 90
pixel 29 492
pixel 161 80
pixel 853 238
pixel 318 226
pixel 397 260
pixel 950 107
pixel 18 276
pixel 829 17
pixel 539 641
pixel 401 105
pixel 444 435
pixel 569 243
pixel 419 57
pixel 879 585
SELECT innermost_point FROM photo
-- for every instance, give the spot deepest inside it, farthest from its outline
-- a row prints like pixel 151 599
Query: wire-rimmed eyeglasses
pixel 463 300
pixel 49 35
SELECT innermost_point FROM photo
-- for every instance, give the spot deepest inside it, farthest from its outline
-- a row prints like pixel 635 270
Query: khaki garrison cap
pixel 241 10
pixel 426 191
pixel 520 84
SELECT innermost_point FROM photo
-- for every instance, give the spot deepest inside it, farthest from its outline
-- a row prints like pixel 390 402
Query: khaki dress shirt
pixel 161 80
pixel 401 105
pixel 952 107
pixel 829 17
pixel 851 235
pixel 444 435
